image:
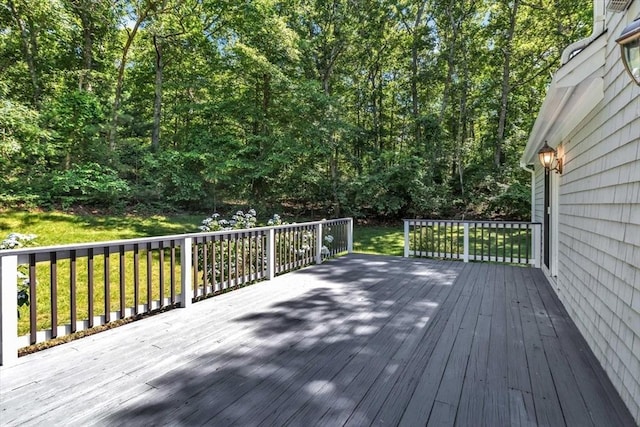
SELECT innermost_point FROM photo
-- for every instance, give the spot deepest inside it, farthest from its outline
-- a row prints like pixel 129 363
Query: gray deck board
pixel 359 340
pixel 547 406
pixel 365 367
pixel 399 365
pixel 384 407
pixel 591 380
pixel 348 377
pixel 419 407
pixel 344 365
pixel 496 401
pixel 474 387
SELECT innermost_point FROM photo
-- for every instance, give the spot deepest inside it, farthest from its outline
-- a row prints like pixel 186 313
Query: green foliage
pixel 399 187
pixel 91 184
pixel 384 109
pixel 178 177
pixel 77 118
pixel 24 144
pixel 238 221
pixel 15 241
pixel 512 201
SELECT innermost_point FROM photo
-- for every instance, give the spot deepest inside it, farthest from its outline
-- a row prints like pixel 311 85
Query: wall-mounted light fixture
pixel 629 42
pixel 549 159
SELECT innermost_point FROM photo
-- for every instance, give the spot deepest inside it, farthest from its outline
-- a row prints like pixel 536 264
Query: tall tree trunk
pixel 157 102
pixel 262 128
pixel 374 107
pixel 335 176
pixel 331 47
pixel 131 34
pixel 266 102
pixel 462 124
pixel 415 107
pixel 87 51
pixel 29 46
pixel 436 152
pixel 498 158
pixel 380 126
pixel 454 27
pixel 326 72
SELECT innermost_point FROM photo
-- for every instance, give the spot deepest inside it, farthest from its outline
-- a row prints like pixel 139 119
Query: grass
pixel 56 228
pixel 507 243
pixel 383 240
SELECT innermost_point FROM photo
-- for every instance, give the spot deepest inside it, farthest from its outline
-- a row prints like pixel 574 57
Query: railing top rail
pixel 296 225
pixel 468 221
pixel 142 240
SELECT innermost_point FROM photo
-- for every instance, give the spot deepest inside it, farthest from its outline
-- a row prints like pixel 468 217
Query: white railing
pixel 77 287
pixel 491 241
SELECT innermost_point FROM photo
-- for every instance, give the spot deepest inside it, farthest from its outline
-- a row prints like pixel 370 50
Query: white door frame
pixel 555 215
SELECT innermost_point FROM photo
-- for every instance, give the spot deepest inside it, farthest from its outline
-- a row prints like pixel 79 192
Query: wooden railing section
pixel 76 287
pixel 490 241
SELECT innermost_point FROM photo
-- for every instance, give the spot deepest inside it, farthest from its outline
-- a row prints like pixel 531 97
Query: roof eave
pixel 575 90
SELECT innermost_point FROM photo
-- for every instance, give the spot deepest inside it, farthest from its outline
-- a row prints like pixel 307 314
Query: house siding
pixel 539 196
pixel 599 224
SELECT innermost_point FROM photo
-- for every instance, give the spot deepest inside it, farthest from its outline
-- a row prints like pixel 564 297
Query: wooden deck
pixel 359 340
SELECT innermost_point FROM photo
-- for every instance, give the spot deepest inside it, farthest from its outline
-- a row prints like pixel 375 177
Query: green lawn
pixel 56 228
pixel 384 240
pixel 485 242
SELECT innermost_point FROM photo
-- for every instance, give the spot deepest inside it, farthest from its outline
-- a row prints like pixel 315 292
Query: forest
pixel 370 108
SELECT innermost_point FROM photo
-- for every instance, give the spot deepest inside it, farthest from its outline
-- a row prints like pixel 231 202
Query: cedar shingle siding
pixel 599 223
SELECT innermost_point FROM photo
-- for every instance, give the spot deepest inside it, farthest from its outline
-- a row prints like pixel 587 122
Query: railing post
pixel 406 238
pixel 8 309
pixel 535 241
pixel 465 254
pixel 319 244
pixel 271 253
pixel 350 236
pixel 186 271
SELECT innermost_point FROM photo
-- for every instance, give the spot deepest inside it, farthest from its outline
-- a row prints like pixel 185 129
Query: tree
pixel 369 107
pixel 139 13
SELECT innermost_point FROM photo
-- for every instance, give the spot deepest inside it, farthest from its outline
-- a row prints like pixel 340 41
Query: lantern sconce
pixel 629 42
pixel 549 159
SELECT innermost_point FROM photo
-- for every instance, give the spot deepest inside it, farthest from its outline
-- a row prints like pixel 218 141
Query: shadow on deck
pixel 359 340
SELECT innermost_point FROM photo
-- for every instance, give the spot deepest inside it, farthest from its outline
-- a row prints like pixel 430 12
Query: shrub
pixel 238 221
pixel 90 184
pixel 512 202
pixel 296 243
pixel 15 241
